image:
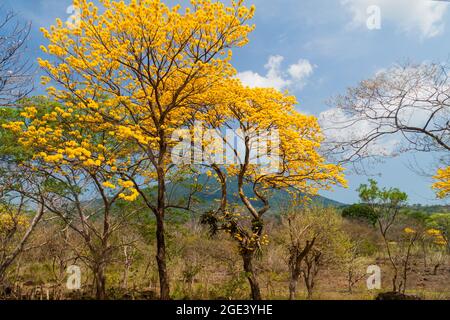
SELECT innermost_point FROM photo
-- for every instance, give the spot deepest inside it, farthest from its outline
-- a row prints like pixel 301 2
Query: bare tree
pixel 353 265
pixel 17 220
pixel 84 205
pixel 298 249
pixel 404 108
pixel 15 69
pixel 314 239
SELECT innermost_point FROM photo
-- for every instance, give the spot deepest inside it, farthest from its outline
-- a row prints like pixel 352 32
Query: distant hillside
pixel 211 193
pixel 430 209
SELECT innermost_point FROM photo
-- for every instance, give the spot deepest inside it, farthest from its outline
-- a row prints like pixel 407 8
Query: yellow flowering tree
pixel 442 186
pixel 19 214
pixel 277 148
pixel 84 169
pixel 153 65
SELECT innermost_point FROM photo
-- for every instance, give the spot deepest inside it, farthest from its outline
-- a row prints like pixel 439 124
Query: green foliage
pixel 59 187
pixel 321 224
pixel 371 193
pixel 385 202
pixel 10 150
pixel 360 211
pixel 367 248
pixel 234 288
pixel 419 216
pixel 430 209
pixel 440 220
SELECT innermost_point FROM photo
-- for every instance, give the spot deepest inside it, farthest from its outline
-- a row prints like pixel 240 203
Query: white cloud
pixel 276 77
pixel 303 69
pixel 411 16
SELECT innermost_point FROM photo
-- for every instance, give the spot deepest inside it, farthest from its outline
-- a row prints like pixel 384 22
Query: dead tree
pixel 15 70
pixel 15 209
pixel 404 108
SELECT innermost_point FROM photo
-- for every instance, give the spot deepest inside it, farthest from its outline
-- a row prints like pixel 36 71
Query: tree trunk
pixel 251 276
pixel 100 282
pixel 125 278
pixel 293 285
pixel 435 269
pixel 394 282
pixel 3 268
pixel 312 265
pixel 295 260
pixel 309 283
pixel 160 233
pixel 161 259
pixel 126 270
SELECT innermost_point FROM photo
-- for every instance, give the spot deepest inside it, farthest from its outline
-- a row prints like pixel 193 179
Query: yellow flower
pixel 125 184
pixel 130 197
pixel 9 221
pixel 108 185
pixel 442 186
pixel 433 232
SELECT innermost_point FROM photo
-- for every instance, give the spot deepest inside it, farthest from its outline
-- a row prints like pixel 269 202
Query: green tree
pixel 387 204
pixel 360 211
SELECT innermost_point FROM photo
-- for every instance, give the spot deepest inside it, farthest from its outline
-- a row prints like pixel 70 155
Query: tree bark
pixel 295 261
pixel 312 267
pixel 395 287
pixel 309 289
pixel 160 214
pixel 293 285
pixel 127 265
pixel 100 282
pixel 435 269
pixel 251 276
pixel 161 259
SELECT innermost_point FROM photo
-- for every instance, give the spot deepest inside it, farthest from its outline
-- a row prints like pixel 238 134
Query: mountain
pixel 210 195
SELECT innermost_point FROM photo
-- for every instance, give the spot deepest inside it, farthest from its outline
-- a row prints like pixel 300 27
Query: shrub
pixel 360 211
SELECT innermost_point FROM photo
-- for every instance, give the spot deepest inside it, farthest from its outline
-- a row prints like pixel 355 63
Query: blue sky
pixel 330 48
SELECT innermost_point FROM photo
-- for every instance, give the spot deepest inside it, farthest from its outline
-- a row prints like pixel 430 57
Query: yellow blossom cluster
pixel 442 186
pixel 132 195
pixel 151 77
pixel 437 236
pixel 65 139
pixel 260 110
pixel 9 222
